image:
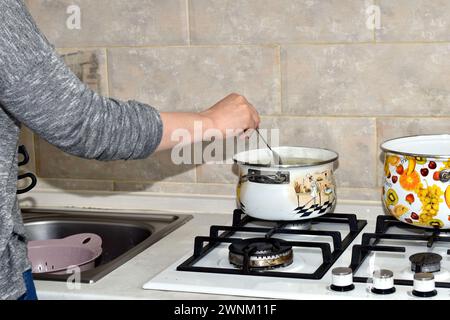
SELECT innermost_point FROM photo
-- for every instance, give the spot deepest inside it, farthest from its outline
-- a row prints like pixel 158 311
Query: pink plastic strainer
pixel 55 256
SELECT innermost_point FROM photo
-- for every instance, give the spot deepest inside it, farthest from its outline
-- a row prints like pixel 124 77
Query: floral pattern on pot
pixel 416 190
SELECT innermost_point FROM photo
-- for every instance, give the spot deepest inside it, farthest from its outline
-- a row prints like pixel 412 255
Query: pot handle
pixel 444 176
pixel 267 177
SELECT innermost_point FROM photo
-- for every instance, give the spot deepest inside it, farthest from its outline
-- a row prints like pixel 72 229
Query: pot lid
pixel 292 157
pixel 426 146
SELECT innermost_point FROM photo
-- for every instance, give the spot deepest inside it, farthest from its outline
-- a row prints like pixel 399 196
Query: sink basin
pixel 124 235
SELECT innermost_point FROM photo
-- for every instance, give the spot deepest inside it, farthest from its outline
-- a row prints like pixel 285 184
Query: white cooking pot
pixel 303 187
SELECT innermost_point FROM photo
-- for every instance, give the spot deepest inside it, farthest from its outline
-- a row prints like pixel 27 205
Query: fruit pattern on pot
pixel 413 191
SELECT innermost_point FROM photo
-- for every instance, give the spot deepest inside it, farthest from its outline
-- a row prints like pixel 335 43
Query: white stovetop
pixel 155 267
pixel 287 288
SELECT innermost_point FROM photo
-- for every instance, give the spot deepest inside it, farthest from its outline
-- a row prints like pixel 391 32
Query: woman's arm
pixel 39 90
pixel 230 116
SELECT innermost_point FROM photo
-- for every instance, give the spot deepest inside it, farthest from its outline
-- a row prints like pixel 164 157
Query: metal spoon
pixel 276 156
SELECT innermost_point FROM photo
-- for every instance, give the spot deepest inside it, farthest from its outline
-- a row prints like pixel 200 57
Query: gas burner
pixel 409 239
pixel 298 225
pixel 425 262
pixel 272 247
pixel 260 253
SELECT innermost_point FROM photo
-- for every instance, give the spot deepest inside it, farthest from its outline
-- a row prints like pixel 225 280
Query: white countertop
pixel 126 281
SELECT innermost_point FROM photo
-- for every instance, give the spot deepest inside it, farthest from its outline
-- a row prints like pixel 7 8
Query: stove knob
pixel 424 285
pixel 342 279
pixel 383 282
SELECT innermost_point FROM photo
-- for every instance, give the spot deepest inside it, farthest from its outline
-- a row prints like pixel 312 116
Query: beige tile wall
pixel 312 68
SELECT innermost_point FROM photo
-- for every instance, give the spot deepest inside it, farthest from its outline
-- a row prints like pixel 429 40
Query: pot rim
pixel 286 166
pixel 420 155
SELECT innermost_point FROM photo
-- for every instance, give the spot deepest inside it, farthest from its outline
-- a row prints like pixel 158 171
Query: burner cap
pixel 425 262
pixel 299 225
pixel 262 253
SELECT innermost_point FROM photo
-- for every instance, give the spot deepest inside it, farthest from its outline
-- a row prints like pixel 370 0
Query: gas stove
pixel 359 254
pixel 303 250
pixel 406 251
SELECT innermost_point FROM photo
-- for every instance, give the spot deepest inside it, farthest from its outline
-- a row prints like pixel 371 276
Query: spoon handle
pixel 276 156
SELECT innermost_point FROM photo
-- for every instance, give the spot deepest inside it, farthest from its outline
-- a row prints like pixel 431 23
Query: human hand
pixel 232 116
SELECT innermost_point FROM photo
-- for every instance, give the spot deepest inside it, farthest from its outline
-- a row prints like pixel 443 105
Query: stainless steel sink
pixel 124 235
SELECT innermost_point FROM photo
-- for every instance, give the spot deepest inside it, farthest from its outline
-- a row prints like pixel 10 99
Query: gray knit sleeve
pixel 39 90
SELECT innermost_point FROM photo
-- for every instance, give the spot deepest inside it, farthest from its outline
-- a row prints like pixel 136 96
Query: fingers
pixel 253 122
pixel 247 113
pixel 247 134
pixel 255 116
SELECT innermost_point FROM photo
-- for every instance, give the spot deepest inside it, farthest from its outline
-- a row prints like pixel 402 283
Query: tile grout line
pixel 376 152
pixel 188 22
pixel 108 80
pixel 346 116
pixel 34 150
pixel 48 179
pixel 221 45
pixel 280 70
pixel 37 162
pixel 374 29
pixel 107 72
pixel 377 142
pixel 114 185
pixel 159 181
pixel 78 179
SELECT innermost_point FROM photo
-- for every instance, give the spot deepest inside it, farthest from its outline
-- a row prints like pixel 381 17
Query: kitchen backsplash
pixel 344 75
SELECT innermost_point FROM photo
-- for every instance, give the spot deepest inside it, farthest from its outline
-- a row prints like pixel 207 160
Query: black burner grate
pixel 224 234
pixel 370 243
